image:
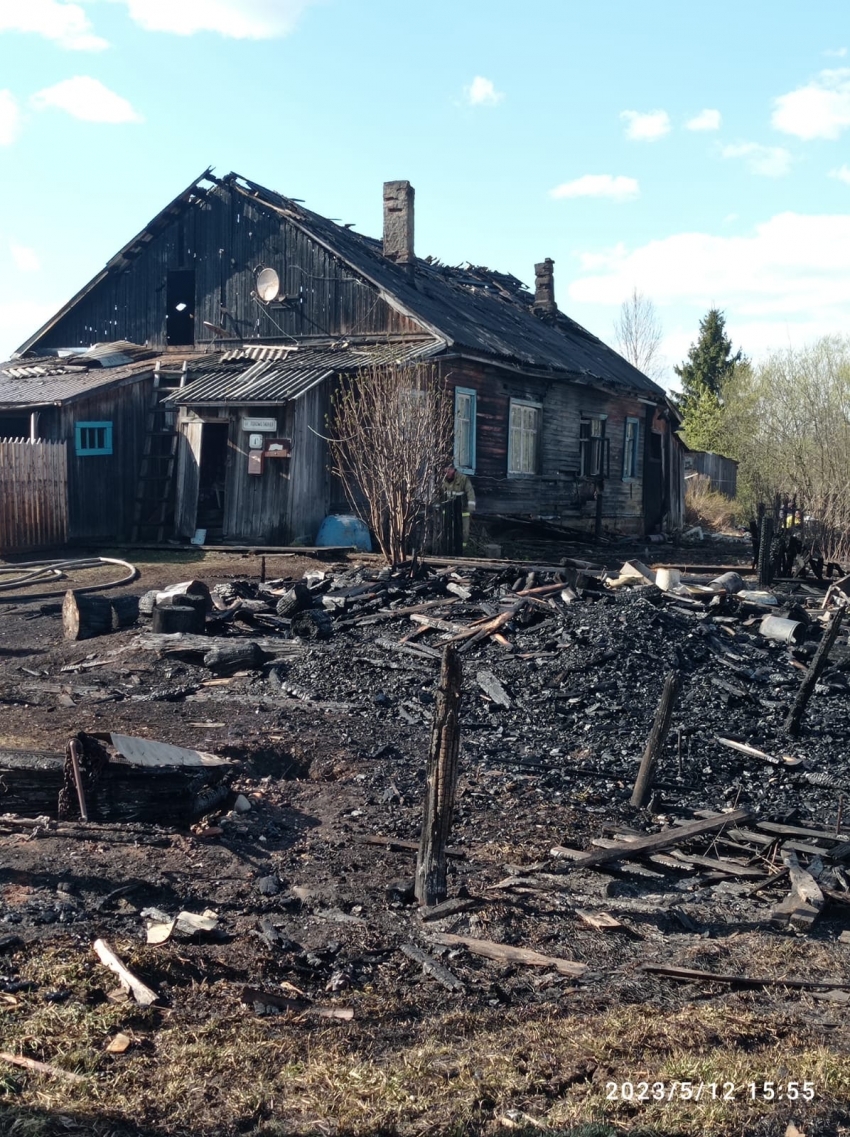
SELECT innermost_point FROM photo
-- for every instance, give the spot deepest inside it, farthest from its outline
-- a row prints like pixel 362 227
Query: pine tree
pixel 709 367
pixel 710 360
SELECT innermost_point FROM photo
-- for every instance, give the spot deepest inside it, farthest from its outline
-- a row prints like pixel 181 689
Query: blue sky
pixel 698 154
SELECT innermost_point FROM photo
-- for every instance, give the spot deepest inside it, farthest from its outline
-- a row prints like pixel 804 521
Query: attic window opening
pixel 180 307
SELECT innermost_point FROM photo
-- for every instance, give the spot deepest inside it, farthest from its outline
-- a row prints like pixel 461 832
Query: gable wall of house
pixel 224 238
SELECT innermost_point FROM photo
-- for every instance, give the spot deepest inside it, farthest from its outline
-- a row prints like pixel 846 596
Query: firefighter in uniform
pixel 456 484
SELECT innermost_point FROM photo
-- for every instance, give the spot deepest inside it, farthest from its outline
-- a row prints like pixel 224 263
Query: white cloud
pixel 86 98
pixel 836 52
pixel 705 120
pixel 67 25
pixel 237 19
pixel 789 273
pixel 10 118
pixel 25 258
pixel 482 92
pixel 647 127
pixel 821 109
pixel 617 188
pixel 843 174
pixel 767 161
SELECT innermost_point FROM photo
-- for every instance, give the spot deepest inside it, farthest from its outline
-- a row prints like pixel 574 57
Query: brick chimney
pixel 398 222
pixel 544 289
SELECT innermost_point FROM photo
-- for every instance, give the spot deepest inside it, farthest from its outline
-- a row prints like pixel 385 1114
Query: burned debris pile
pixel 555 862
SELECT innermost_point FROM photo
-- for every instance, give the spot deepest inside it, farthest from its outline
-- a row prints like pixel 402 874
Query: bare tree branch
pixel 639 334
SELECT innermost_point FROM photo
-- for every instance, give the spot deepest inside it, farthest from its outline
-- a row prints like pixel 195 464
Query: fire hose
pixel 36 572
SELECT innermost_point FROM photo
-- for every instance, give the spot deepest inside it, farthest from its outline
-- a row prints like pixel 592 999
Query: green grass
pixel 208 1066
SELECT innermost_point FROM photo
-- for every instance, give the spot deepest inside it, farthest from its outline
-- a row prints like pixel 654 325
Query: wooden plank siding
pixel 102 487
pixel 556 491
pixel 33 495
pixel 224 238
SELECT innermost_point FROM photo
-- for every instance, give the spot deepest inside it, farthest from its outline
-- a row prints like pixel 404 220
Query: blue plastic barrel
pixel 344 529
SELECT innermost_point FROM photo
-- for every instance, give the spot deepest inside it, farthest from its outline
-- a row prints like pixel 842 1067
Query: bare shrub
pixel 391 438
pixel 706 506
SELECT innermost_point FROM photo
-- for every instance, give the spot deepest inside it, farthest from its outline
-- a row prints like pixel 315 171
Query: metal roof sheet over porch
pixel 270 376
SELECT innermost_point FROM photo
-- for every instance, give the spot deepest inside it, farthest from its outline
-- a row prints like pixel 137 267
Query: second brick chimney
pixel 544 289
pixel 398 222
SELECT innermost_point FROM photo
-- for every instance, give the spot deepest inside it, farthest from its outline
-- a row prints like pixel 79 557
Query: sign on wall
pixel 264 425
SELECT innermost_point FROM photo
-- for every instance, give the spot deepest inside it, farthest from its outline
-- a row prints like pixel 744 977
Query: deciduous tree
pixel 391 437
pixel 639 335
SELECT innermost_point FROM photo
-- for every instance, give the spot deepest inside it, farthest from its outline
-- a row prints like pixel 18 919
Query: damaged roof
pixel 273 375
pixel 473 308
pixel 51 380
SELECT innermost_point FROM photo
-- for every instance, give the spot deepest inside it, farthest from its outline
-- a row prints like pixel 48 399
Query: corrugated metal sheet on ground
pixel 287 376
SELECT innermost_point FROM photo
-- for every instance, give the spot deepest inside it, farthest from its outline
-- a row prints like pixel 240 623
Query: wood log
pixel 170 618
pixel 194 590
pixel 85 616
pixel 656 740
pixel 441 772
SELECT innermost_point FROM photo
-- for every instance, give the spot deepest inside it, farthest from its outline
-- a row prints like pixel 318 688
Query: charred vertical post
pixel 441 784
pixel 765 560
pixel 795 715
pixel 655 741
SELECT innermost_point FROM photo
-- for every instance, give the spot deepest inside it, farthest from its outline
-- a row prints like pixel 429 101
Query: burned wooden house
pixel 245 306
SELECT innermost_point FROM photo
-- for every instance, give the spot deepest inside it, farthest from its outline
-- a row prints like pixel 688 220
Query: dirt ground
pixel 332 755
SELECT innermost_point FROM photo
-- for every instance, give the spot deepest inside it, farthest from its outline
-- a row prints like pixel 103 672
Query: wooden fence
pixel 33 494
pixel 721 472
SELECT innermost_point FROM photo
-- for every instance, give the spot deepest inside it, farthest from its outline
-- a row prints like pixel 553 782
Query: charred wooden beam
pixel 441 784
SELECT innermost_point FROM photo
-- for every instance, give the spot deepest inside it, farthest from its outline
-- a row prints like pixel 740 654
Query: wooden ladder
pixel 153 510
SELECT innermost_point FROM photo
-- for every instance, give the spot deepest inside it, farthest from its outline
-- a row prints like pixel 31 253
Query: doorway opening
pixel 212 479
pixel 180 308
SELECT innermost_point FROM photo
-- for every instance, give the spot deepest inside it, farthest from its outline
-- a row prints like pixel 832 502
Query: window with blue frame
pixel 630 449
pixel 464 447
pixel 93 438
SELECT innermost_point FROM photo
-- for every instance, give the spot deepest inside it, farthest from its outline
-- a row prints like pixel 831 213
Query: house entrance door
pixel 653 476
pixel 212 479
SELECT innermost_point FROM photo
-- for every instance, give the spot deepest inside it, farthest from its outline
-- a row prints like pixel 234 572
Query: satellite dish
pixel 268 284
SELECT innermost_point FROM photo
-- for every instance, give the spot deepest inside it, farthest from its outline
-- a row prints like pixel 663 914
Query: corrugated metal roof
pixel 53 379
pixel 287 374
pixel 61 386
